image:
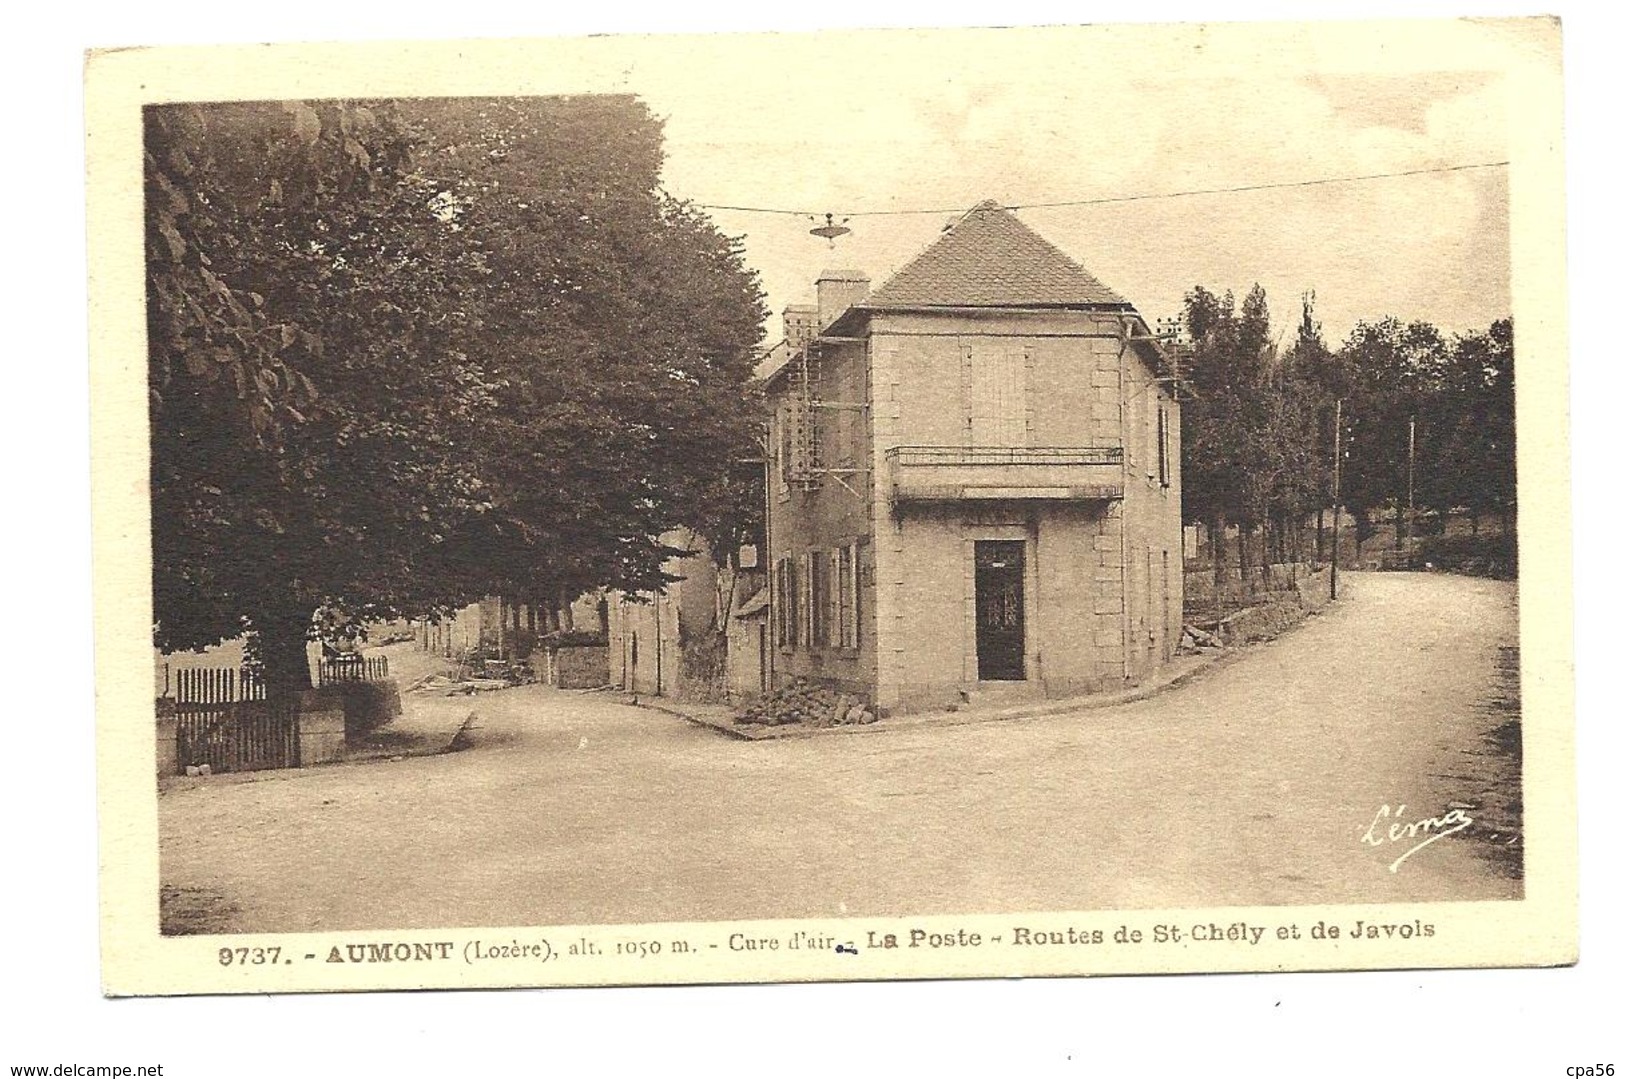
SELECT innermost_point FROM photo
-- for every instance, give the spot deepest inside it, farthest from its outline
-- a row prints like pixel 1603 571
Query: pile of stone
pixel 474 678
pixel 808 704
pixel 1195 639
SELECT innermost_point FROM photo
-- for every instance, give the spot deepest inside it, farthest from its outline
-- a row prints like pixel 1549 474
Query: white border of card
pixel 1539 930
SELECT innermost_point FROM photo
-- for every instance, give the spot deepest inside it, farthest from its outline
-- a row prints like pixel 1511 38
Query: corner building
pixel 974 479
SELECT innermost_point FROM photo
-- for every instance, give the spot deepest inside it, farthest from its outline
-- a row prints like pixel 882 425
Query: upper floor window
pixel 998 394
pixel 782 449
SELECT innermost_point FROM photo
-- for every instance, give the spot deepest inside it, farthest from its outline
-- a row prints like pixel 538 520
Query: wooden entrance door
pixel 1001 654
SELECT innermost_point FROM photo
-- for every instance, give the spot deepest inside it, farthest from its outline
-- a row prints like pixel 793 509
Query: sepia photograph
pixel 737 507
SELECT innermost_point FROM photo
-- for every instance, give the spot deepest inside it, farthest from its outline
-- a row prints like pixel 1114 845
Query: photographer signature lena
pixel 1422 830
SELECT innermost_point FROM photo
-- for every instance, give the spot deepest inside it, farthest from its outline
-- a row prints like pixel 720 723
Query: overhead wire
pixel 1108 199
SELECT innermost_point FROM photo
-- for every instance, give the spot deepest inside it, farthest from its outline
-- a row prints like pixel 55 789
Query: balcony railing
pixel 955 473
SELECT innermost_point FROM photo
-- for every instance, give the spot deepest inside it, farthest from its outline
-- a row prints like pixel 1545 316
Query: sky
pixel 854 123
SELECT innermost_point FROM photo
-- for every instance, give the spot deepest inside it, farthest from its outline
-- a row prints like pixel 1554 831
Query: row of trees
pixel 402 354
pixel 1259 433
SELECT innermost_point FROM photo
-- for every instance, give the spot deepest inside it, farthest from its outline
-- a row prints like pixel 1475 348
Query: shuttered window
pixel 805 598
pixel 781 451
pixel 1164 465
pixel 788 595
pixel 848 573
pixel 819 599
pixel 998 394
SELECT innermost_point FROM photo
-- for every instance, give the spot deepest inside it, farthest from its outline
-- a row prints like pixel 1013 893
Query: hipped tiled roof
pixel 989 258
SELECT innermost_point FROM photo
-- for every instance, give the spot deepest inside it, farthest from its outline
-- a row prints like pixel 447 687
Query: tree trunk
pixel 1215 533
pixel 1320 534
pixel 283 639
pixel 727 583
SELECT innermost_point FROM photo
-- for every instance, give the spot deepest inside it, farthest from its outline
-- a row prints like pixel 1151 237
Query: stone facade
pixel 665 645
pixel 452 636
pixel 1049 433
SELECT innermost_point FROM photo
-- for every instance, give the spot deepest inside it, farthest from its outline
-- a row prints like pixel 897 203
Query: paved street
pixel 1252 785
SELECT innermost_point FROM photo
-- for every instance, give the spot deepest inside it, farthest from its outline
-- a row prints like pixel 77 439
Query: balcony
pixel 959 473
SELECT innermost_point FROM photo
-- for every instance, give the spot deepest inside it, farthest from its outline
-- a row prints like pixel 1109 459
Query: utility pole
pixel 1337 489
pixel 769 648
pixel 1410 496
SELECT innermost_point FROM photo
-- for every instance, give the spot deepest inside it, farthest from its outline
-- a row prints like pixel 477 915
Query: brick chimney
pixel 838 290
pixel 800 325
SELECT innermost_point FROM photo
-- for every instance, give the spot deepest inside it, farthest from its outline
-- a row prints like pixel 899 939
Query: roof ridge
pixel 989 257
pixel 924 251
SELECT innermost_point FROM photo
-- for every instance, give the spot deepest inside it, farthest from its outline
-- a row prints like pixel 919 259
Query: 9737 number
pixel 249 957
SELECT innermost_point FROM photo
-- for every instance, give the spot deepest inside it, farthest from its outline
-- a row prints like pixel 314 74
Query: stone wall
pixel 1315 589
pixel 168 759
pixel 1277 612
pixel 321 729
pixel 1205 595
pixel 827 518
pixel 583 666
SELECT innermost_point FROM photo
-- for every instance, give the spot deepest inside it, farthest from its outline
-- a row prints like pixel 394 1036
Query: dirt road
pixel 1254 785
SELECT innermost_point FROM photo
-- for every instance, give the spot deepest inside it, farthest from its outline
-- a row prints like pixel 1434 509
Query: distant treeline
pixel 1260 428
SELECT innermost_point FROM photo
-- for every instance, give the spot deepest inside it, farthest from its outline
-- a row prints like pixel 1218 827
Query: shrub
pixel 1484 555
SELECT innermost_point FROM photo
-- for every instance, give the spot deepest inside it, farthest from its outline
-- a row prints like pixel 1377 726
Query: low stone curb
pixel 715 723
pixel 1030 710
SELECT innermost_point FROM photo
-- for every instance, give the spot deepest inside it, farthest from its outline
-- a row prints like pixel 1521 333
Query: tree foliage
pixel 1249 437
pixel 1458 394
pixel 403 354
pixel 1470 443
pixel 1259 435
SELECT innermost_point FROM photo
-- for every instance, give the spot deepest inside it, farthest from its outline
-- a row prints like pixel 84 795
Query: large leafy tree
pixel 619 329
pixel 1396 375
pixel 1317 379
pixel 402 354
pixel 1259 433
pixel 1214 459
pixel 1244 427
pixel 294 382
pixel 1466 451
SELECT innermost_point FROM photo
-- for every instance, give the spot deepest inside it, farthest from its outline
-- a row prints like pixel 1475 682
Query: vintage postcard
pixel 849 505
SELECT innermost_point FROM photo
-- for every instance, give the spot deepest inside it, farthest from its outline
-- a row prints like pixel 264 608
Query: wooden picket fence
pixel 245 736
pixel 223 720
pixel 355 668
pixel 217 685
